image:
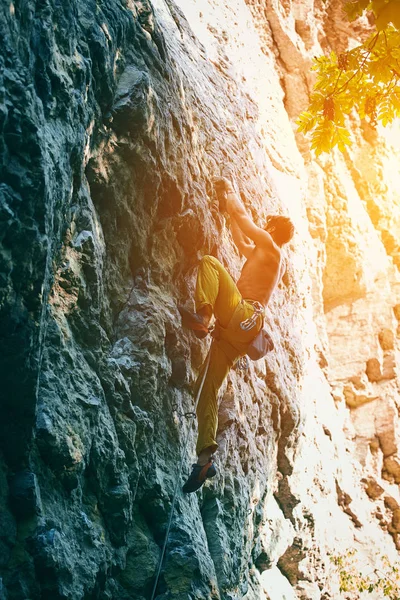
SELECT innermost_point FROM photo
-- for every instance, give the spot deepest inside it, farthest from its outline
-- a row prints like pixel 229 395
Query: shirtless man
pixel 231 304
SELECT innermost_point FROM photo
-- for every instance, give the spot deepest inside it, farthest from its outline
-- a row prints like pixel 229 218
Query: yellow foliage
pixel 365 79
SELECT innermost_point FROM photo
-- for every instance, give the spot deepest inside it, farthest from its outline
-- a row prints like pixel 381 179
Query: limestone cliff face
pixel 115 117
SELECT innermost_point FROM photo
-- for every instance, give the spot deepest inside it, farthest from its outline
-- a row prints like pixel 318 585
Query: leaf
pixel 380 70
pixel 306 122
pixel 342 138
pixel 377 5
pixel 355 9
pixel 393 64
pixel 395 99
pixel 322 139
pixel 386 113
pixel 390 13
pixel 393 39
pixel 316 102
pixel 340 111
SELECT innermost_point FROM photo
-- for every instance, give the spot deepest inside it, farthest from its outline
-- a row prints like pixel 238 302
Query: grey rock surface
pixel 105 211
pixel 115 118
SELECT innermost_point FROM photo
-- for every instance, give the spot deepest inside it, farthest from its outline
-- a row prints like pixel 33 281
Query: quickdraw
pixel 249 323
pixel 243 364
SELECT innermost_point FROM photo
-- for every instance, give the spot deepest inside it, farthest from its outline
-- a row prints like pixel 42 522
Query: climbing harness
pixel 249 323
pixel 243 364
pixel 189 414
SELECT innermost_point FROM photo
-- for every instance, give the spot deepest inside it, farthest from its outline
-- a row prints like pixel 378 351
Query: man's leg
pixel 207 408
pixel 207 415
pixel 216 292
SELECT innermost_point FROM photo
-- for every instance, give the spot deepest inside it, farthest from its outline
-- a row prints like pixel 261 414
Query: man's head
pixel 280 229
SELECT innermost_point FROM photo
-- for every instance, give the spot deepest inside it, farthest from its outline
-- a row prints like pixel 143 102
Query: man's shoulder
pixel 269 251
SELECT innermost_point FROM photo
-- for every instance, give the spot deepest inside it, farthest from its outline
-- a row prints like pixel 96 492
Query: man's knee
pixel 209 260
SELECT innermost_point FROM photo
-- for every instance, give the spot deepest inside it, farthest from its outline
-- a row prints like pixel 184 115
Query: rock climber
pixel 231 304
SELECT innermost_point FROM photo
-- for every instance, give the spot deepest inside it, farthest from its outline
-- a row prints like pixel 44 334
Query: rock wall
pixel 115 118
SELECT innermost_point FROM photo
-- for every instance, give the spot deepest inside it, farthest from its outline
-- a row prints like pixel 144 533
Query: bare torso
pixel 260 274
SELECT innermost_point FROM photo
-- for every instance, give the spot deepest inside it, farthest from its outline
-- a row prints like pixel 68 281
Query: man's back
pixel 260 273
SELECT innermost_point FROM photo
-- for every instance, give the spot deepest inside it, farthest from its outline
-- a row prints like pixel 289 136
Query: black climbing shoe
pixel 191 320
pixel 198 476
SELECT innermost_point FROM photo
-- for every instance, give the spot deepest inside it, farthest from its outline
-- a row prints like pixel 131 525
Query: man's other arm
pixel 242 242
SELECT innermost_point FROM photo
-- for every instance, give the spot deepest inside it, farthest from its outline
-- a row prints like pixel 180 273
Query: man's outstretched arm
pixel 237 211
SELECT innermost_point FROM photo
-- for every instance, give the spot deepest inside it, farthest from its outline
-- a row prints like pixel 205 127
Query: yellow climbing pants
pixel 216 288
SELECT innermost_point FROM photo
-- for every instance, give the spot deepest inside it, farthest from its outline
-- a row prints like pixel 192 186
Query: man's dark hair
pixel 280 228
